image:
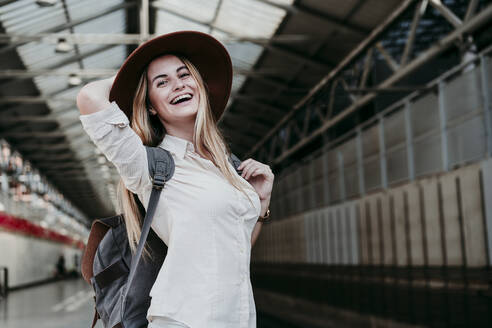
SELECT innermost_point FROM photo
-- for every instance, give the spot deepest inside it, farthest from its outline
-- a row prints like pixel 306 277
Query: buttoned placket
pixel 243 286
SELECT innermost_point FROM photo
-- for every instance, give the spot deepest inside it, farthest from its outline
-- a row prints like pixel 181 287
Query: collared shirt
pixel 205 222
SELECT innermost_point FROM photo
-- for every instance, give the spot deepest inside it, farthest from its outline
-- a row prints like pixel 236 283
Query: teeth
pixel 175 100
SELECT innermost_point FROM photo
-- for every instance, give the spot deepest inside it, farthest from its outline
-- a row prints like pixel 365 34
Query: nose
pixel 178 85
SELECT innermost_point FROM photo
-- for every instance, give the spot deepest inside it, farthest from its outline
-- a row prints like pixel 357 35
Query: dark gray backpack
pixel 108 265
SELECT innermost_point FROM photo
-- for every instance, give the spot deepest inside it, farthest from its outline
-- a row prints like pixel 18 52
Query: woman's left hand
pixel 259 175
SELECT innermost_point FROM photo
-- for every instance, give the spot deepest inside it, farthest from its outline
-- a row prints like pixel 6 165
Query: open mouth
pixel 184 98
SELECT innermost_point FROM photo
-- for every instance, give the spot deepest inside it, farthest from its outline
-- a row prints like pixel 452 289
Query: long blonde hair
pixel 207 139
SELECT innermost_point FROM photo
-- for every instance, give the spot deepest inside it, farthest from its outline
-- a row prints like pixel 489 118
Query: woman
pixel 173 89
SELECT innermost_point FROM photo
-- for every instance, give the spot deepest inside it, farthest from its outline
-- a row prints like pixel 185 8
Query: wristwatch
pixel 266 217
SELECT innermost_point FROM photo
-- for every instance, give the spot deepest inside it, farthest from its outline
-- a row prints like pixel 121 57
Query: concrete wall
pixel 31 259
pixel 438 220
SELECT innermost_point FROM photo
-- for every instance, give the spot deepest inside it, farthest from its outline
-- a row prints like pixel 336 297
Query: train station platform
pixel 375 118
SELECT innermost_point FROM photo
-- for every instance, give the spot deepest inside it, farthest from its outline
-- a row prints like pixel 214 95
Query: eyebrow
pixel 165 75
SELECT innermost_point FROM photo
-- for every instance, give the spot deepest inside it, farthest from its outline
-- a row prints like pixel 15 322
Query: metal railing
pixel 446 126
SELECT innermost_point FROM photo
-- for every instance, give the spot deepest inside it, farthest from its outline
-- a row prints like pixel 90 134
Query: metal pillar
pixel 326 182
pixel 341 175
pixel 360 162
pixel 144 21
pixel 484 61
pixel 409 141
pixel 382 154
pixel 443 127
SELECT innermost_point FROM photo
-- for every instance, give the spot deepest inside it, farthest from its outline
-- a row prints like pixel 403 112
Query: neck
pixel 183 131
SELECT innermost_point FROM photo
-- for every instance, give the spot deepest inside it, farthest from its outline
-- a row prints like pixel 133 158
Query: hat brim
pixel 207 54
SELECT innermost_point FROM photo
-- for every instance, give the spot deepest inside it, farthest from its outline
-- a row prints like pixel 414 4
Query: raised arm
pixel 109 128
pixel 94 96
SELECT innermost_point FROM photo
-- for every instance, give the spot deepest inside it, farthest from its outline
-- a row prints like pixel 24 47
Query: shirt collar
pixel 176 145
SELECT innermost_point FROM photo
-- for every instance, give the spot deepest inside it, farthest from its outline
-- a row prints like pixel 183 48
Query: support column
pixel 409 141
pixel 443 128
pixel 360 162
pixel 484 62
pixel 144 21
pixel 382 154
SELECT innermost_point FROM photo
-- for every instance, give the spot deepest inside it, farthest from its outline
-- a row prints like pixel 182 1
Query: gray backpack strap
pixel 161 169
pixel 235 161
pixel 156 155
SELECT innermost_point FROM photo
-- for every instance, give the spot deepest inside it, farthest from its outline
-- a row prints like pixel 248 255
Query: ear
pixel 152 111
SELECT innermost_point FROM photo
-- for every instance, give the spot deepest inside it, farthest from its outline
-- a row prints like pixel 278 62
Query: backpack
pixel 109 266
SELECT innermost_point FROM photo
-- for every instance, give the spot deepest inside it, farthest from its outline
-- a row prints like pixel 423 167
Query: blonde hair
pixel 206 137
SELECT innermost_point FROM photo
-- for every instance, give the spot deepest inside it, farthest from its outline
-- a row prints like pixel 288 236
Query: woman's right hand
pixel 94 96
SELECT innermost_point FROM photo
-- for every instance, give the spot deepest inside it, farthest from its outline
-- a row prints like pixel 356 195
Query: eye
pixel 161 82
pixel 184 75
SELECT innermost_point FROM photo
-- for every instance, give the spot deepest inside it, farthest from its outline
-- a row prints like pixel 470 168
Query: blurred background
pixel 375 117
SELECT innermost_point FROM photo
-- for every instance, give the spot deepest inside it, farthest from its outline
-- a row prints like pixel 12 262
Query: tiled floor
pixel 62 304
pixel 67 304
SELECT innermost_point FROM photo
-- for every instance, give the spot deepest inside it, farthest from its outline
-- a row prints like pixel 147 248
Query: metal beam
pixel 339 22
pixel 238 121
pixel 38 134
pixel 35 119
pixel 445 43
pixel 284 52
pixel 447 13
pixel 34 100
pixel 278 112
pixel 70 60
pixel 419 12
pixel 387 57
pixel 103 72
pixel 470 11
pixel 83 73
pixel 347 60
pixel 144 20
pixel 246 118
pixel 389 89
pixel 134 39
pixel 216 14
pixel 73 23
pixel 35 144
pixel 367 68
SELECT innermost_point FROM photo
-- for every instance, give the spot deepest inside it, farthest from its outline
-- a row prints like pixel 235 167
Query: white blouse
pixel 205 222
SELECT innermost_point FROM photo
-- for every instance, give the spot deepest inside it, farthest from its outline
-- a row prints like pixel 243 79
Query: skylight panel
pixel 49 84
pixel 282 2
pixel 243 54
pixel 81 9
pixel 249 18
pixel 36 21
pixel 111 58
pixel 41 55
pixel 237 82
pixel 14 6
pixel 17 9
pixel 111 23
pixel 202 11
pixel 167 23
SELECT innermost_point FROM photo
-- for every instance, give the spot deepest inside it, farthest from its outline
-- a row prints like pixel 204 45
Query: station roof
pixel 280 50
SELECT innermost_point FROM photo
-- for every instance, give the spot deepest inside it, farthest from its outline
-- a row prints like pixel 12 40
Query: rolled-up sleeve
pixel 110 131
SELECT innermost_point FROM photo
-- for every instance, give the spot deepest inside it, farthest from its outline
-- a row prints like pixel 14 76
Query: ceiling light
pixel 74 80
pixel 46 3
pixel 62 47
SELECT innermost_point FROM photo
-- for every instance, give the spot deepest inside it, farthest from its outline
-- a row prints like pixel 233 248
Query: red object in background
pixel 25 227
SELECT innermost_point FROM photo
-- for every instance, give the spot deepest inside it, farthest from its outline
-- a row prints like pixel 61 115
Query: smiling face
pixel 172 91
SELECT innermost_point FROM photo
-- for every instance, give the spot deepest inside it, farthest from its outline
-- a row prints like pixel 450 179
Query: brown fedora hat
pixel 205 52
